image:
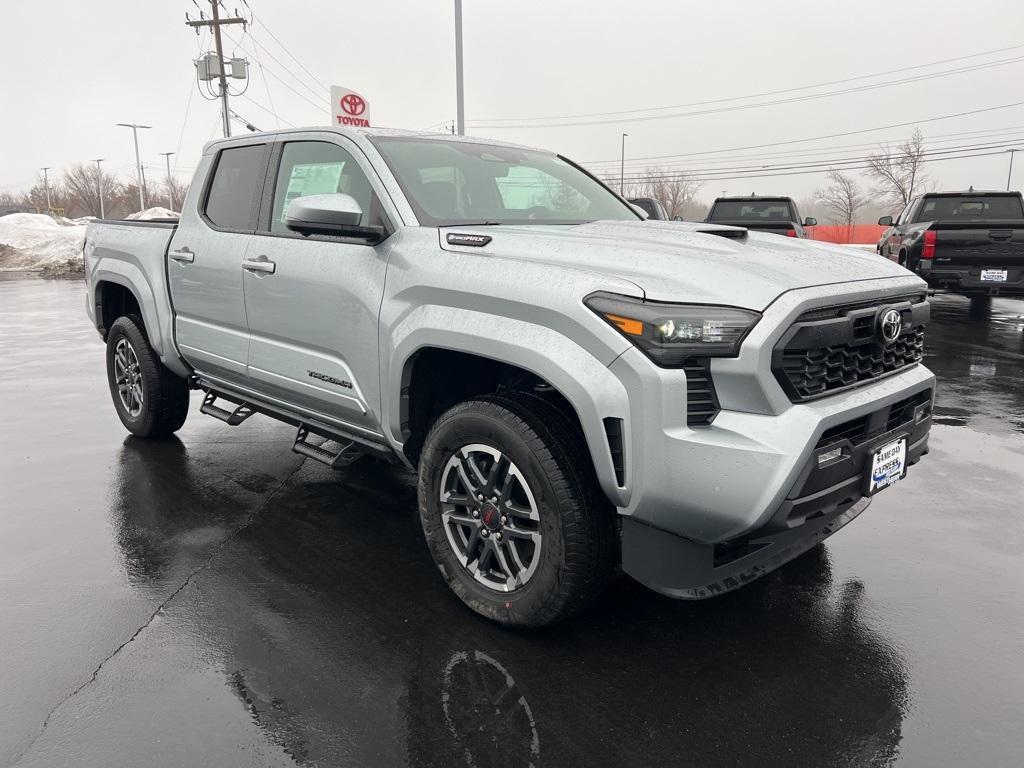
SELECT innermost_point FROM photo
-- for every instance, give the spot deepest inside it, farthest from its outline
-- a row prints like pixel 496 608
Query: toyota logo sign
pixel 349 108
pixel 890 325
pixel 353 104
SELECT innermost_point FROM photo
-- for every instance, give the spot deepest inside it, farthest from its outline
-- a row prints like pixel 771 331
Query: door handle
pixel 262 264
pixel 184 256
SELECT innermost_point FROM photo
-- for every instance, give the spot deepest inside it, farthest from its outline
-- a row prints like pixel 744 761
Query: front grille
pixel 815 372
pixel 701 399
pixel 836 348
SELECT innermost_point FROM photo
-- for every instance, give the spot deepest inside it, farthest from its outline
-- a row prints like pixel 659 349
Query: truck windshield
pixel 760 210
pixel 455 182
pixel 971 207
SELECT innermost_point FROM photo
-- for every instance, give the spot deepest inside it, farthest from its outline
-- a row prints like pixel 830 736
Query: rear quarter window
pixel 231 201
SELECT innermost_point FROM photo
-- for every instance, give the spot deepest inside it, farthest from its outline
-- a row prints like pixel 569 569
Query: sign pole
pixel 460 112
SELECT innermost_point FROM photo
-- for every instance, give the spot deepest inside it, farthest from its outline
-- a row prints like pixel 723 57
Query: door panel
pixel 313 319
pixel 313 326
pixel 204 265
pixel 210 323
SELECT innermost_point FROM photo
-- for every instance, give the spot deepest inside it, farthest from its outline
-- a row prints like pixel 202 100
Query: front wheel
pixel 150 400
pixel 512 513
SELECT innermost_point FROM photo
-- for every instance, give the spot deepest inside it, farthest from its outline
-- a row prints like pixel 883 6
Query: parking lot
pixel 215 599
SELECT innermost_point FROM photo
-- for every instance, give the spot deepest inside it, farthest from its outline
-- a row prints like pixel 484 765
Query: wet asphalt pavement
pixel 216 600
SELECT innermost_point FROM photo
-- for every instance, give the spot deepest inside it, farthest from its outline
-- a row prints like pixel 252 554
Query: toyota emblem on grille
pixel 890 324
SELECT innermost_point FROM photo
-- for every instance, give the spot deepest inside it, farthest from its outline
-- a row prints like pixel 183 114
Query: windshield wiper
pixel 475 224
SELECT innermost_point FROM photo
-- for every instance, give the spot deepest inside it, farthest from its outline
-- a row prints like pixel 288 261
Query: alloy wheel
pixel 490 517
pixel 128 377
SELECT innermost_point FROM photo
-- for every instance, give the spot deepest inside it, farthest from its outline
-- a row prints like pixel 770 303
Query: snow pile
pixel 38 241
pixel 154 213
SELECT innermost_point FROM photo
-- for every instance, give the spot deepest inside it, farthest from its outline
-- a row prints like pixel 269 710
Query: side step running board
pixel 347 453
pixel 232 418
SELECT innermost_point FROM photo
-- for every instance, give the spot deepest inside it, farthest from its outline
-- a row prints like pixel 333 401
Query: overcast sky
pixel 73 69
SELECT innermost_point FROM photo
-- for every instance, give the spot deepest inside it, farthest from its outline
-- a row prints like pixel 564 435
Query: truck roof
pixel 361 134
pixel 753 197
pixel 972 192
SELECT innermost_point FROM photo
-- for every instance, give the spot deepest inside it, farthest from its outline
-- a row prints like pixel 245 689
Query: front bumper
pixel 968 280
pixel 722 482
pixel 828 493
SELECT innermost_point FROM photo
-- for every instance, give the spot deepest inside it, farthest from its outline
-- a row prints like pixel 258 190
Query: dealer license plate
pixel 888 465
pixel 993 275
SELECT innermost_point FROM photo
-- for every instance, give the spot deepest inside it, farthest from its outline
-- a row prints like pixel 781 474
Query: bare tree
pixel 60 200
pixel 175 189
pixel 83 183
pixel 676 190
pixel 842 199
pixel 899 171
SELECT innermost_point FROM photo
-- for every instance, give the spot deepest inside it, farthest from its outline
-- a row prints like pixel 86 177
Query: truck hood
pixel 679 261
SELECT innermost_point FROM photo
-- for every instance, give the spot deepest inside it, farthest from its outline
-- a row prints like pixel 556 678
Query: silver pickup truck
pixel 577 388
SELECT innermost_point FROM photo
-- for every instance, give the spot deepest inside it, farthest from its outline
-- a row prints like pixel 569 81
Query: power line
pixel 755 105
pixel 817 151
pixel 266 70
pixel 834 135
pixel 611 179
pixel 837 163
pixel 755 95
pixel 286 50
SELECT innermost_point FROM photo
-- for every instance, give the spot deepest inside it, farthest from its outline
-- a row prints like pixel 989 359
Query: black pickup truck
pixel 966 242
pixel 763 214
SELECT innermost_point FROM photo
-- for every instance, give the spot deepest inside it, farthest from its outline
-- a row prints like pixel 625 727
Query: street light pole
pixel 46 185
pixel 1010 172
pixel 99 185
pixel 622 167
pixel 460 111
pixel 138 163
pixel 170 200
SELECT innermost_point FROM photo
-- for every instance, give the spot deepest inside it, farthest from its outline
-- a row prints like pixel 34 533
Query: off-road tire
pixel 579 548
pixel 165 394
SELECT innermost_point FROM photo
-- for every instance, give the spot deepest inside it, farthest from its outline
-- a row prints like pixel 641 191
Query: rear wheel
pixel 150 400
pixel 512 513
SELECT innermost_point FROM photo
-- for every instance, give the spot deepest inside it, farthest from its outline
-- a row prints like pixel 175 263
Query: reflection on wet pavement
pixel 272 612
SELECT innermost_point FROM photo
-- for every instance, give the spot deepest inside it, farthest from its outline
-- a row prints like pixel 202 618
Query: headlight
pixel 671 333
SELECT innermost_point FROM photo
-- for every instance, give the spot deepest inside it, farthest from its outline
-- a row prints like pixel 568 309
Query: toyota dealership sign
pixel 349 108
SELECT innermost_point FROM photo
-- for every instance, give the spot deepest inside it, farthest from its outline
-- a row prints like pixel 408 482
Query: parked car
pixel 575 387
pixel 655 211
pixel 777 215
pixel 966 242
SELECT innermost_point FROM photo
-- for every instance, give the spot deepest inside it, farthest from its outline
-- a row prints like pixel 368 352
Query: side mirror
pixel 643 214
pixel 678 218
pixel 810 221
pixel 334 214
pixel 885 221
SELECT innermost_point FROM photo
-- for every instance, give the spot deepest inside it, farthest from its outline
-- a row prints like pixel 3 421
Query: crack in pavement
pixel 249 520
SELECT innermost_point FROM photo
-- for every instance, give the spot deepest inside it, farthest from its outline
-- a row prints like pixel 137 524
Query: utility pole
pixel 46 185
pixel 99 185
pixel 217 22
pixel 460 111
pixel 138 163
pixel 622 167
pixel 1010 172
pixel 170 199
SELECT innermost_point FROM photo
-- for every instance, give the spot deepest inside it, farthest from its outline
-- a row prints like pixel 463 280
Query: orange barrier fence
pixel 839 233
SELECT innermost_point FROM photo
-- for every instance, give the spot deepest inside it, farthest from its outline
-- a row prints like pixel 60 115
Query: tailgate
pixel 979 244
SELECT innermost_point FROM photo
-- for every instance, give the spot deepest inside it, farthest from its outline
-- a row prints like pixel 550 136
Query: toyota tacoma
pixel 576 388
pixel 966 242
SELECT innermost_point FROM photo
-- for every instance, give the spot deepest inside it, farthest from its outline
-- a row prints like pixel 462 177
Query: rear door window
pixel 234 191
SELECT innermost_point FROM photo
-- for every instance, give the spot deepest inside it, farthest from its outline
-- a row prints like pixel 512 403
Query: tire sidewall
pixel 449 435
pixel 124 328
